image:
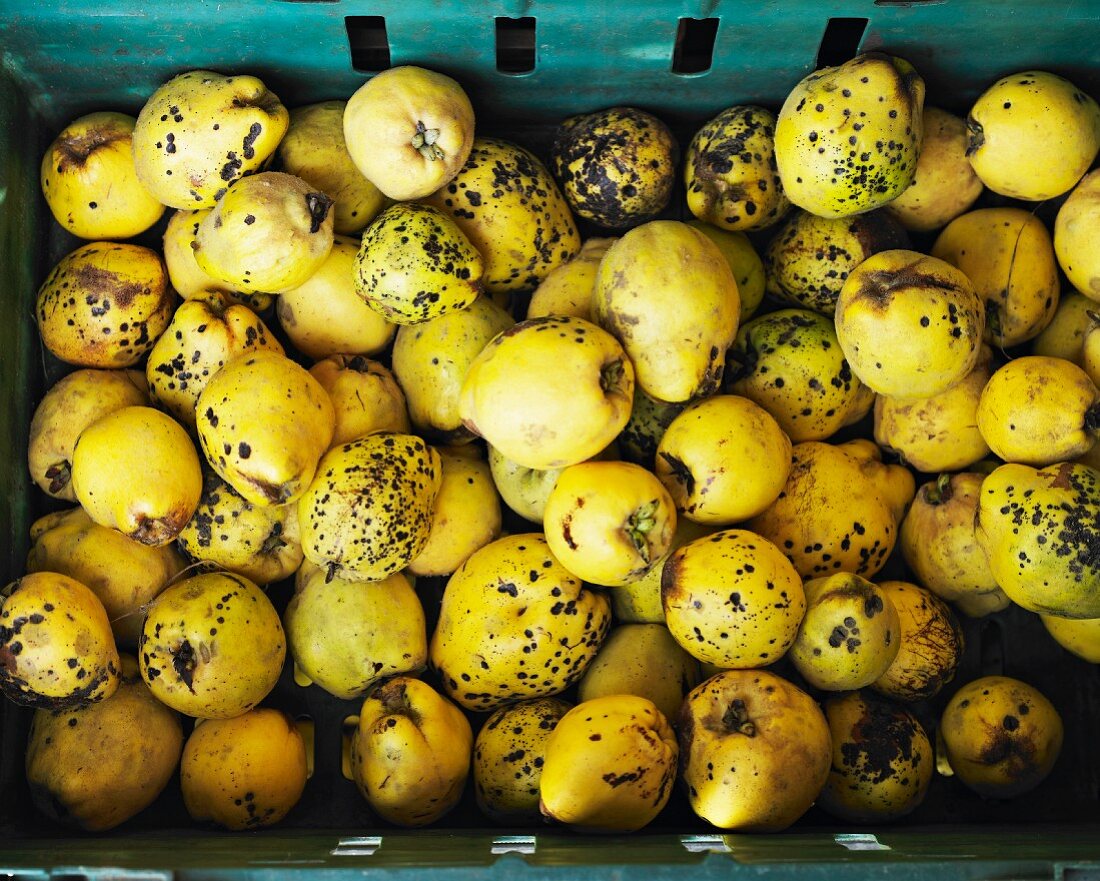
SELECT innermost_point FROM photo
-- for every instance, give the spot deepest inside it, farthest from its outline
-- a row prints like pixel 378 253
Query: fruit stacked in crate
pixel 358 369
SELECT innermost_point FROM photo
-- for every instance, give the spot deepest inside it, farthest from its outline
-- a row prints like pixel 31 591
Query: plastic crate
pixel 526 64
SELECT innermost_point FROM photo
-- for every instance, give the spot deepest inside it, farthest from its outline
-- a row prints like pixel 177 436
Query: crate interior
pixel 526 64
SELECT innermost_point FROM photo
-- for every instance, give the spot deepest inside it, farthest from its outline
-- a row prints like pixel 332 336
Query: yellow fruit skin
pixel 1032 135
pixel 466 515
pixel 790 362
pixel 212 646
pixel 203 335
pixel 137 471
pixel 513 213
pixel 640 601
pixel 724 460
pixel 549 392
pixel 1074 238
pixel 610 765
pixel 847 137
pixel 838 511
pixel 1038 411
pixel 89 181
pixel 365 396
pixel 104 305
pixel 244 773
pixel 431 360
pixel 809 258
pixel 643 660
pixel 1064 337
pixel 882 760
pixel 123 574
pixel 939 433
pixel 415 264
pixel 97 766
pixel 667 293
pixel 939 542
pixel 570 288
pixel 931 644
pixel 1080 636
pixel 616 167
pixel 368 511
pixel 260 543
pixel 849 636
pixel 732 599
pixel 1001 736
pixel 1008 256
pixel 269 233
pixel 71 405
pixel 264 423
pixel 910 325
pixel 325 316
pixel 347 636
pixel 730 175
pixel 755 751
pixel 314 150
pixel 497 656
pixel 411 752
pixel 508 758
pixel 387 113
pixel 181 159
pixel 188 280
pixel 944 184
pixel 745 263
pixel 1046 562
pixel 608 522
pixel 56 647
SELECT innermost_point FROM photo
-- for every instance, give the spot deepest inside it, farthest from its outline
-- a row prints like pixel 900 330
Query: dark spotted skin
pixel 368 511
pixel 1042 533
pixel 227 531
pixel 1001 736
pixel 791 364
pixel 848 137
pixel 509 207
pixel 731 175
pixel 201 132
pixel 104 305
pixel 202 336
pixel 882 759
pixel 415 264
pixel 212 646
pixel 508 759
pixel 732 599
pixel 514 624
pixel 616 167
pixel 809 259
pixel 57 651
pixel 830 517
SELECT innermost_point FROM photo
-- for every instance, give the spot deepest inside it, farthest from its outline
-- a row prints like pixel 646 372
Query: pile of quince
pixel 374 348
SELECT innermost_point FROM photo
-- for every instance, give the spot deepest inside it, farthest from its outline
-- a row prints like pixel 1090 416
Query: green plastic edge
pixel 970 853
pixel 95 34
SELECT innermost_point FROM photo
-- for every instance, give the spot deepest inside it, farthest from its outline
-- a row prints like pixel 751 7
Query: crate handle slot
pixel 361 846
pixel 369 42
pixel 841 40
pixel 513 844
pixel 693 53
pixel 515 42
pixel 705 844
pixel 859 841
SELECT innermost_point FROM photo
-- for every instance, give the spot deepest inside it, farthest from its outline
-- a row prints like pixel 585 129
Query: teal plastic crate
pixel 526 64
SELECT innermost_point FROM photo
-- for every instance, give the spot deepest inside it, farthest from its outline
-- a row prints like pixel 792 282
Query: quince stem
pixel 638 526
pixel 737 719
pixel 424 141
